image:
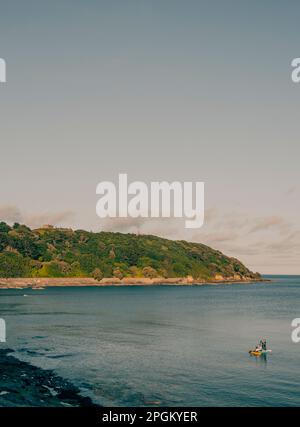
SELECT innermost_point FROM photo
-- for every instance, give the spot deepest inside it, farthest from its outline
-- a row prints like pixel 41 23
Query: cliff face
pixel 54 252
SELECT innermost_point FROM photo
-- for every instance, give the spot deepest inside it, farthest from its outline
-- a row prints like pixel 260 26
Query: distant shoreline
pixel 40 283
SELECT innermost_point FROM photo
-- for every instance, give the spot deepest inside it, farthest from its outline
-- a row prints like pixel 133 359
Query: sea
pixel 163 345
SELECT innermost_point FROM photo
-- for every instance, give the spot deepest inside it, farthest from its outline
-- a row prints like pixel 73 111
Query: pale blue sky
pixel 174 90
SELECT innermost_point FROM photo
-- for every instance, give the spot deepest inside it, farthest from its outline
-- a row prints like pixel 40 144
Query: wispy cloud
pixel 124 225
pixel 289 244
pixel 11 214
pixel 216 237
pixel 293 189
pixel 55 218
pixel 266 223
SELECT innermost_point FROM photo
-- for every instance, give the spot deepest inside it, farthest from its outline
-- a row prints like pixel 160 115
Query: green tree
pixel 97 274
pixel 13 265
pixel 149 272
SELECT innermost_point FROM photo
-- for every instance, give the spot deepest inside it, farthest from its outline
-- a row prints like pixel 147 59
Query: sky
pixel 160 90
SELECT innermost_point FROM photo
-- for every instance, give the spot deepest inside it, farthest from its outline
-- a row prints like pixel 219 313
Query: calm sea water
pixel 167 345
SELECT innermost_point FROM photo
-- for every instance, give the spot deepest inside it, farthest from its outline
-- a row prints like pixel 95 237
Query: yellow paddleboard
pixel 255 353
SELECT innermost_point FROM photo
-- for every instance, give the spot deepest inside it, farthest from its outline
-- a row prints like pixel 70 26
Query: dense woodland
pixel 56 252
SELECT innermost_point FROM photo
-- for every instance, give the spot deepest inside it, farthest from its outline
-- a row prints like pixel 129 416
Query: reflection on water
pixel 262 359
pixel 168 345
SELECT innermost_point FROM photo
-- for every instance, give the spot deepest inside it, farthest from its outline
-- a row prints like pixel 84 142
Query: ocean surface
pixel 163 345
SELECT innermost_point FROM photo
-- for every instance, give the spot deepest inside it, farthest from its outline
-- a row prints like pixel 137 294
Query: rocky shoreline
pixel 24 385
pixel 38 283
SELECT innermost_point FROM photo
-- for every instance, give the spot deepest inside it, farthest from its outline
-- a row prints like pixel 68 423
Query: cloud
pixel 124 225
pixel 215 237
pixel 165 227
pixel 293 189
pixel 262 224
pixel 11 214
pixel 55 218
pixel 210 214
pixel 289 244
pixel 239 249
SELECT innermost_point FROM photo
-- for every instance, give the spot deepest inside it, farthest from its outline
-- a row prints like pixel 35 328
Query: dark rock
pixel 22 384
